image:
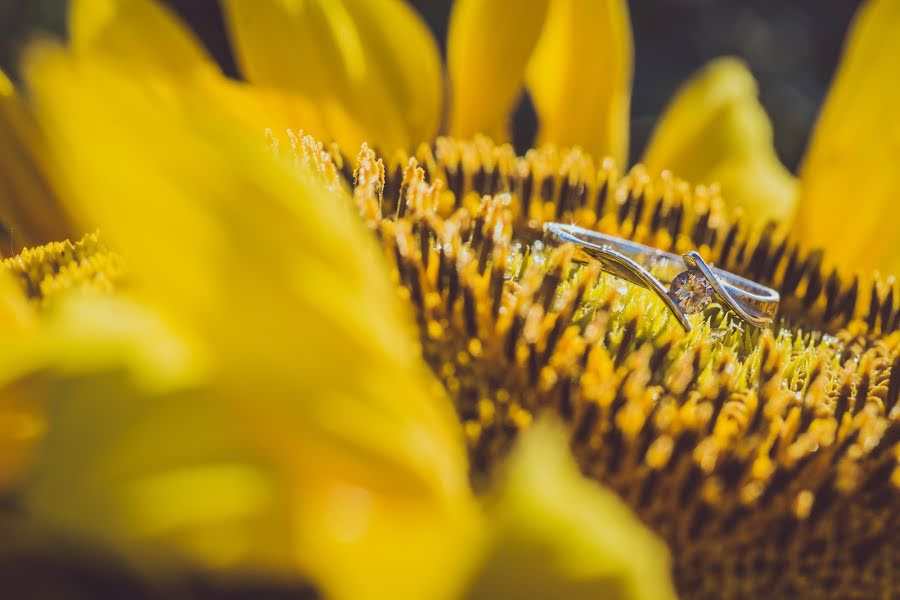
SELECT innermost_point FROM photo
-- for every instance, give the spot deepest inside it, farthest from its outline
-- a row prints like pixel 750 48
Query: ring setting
pixel 692 283
pixel 691 293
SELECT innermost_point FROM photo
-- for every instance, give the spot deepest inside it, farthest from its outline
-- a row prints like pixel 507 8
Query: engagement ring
pixel 686 284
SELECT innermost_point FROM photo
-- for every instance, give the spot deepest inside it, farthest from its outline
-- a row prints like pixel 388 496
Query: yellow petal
pixel 15 312
pixel 580 76
pixel 21 422
pixel 369 65
pixel 71 336
pixel 22 426
pixel 140 33
pixel 286 293
pixel 715 131
pixel 170 473
pixel 141 36
pixel 30 213
pixel 554 534
pixel 86 334
pixel 489 43
pixel 849 178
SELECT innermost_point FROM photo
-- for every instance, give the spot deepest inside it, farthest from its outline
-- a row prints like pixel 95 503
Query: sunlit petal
pixel 287 295
pixel 580 76
pixel 489 43
pixel 716 131
pixel 20 419
pixel 30 213
pixel 141 33
pixel 554 534
pixel 849 178
pixel 143 38
pixel 370 66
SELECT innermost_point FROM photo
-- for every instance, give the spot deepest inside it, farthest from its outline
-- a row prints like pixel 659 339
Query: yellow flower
pixel 573 56
pixel 714 131
pixel 254 398
pixel 761 458
pixel 280 301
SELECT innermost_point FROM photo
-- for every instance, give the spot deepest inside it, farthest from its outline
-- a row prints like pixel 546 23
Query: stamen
pixel 566 185
pixel 47 271
pixel 767 460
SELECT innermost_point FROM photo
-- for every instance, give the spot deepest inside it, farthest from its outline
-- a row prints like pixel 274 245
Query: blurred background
pixel 791 47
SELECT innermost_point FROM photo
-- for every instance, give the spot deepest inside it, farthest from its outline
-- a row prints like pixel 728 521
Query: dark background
pixel 792 47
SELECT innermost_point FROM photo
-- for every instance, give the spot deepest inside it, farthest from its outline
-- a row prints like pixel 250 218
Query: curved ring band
pixel 690 290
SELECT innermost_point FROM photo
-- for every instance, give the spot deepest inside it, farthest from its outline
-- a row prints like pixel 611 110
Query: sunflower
pixel 574 57
pixel 249 405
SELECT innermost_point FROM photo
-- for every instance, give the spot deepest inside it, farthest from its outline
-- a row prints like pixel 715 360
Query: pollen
pixel 44 272
pixel 767 460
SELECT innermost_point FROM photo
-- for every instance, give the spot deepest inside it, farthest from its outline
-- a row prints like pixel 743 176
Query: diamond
pixel 691 292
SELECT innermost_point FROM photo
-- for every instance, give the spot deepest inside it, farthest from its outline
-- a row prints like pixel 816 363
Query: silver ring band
pixel 692 284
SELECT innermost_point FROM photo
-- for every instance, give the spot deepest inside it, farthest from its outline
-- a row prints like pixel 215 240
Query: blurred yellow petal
pixel 760 186
pixel 183 197
pixel 849 178
pixel 34 333
pixel 30 213
pixel 369 66
pixel 22 425
pixel 15 312
pixel 715 131
pixel 21 422
pixel 489 43
pixel 141 36
pixel 580 76
pixel 555 534
pixel 84 334
pixel 141 33
pixel 288 296
pixel 143 472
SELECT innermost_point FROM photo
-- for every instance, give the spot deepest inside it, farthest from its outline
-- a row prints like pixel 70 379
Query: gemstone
pixel 691 292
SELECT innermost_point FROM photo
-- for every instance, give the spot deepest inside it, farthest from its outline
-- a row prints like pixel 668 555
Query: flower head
pixel 368 373
pixel 760 458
